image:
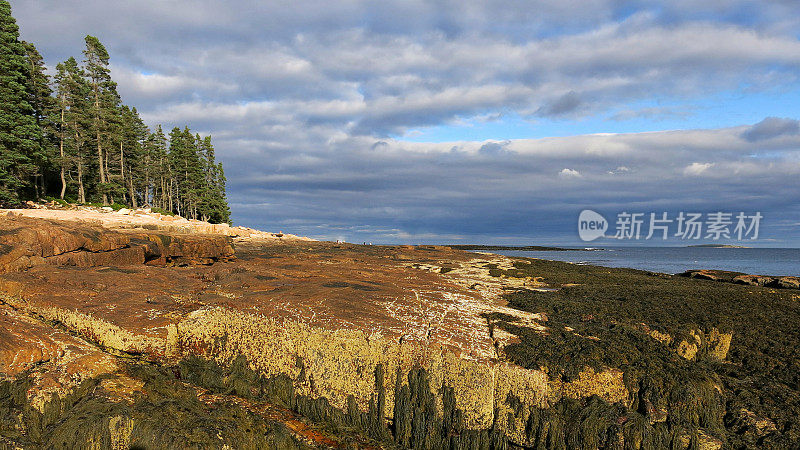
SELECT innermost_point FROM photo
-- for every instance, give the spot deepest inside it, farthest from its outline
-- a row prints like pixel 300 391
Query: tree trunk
pixel 79 157
pixel 102 169
pixel 146 190
pixel 62 162
pixel 99 144
pixel 81 192
pixel 122 174
pixel 163 198
pixel 132 193
pixel 108 177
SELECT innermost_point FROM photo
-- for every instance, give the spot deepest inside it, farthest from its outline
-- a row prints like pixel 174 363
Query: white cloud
pixel 569 173
pixel 696 169
pixel 619 170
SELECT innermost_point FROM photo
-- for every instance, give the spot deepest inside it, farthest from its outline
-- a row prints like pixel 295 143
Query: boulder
pixel 787 282
pixel 753 280
pixel 718 344
pixel 702 274
pixel 27 242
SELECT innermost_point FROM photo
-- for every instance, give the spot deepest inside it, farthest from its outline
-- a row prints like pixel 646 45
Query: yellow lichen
pixel 120 428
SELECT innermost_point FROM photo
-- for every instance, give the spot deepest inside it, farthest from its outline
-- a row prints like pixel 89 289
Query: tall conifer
pixel 20 136
pixel 103 107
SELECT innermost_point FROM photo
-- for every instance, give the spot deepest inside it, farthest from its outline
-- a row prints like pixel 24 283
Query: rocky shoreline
pixel 319 344
pixel 780 282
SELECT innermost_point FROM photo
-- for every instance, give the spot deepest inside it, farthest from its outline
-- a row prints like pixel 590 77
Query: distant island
pixel 716 246
pixel 538 248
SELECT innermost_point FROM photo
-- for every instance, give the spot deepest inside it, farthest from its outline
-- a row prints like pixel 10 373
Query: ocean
pixel 756 261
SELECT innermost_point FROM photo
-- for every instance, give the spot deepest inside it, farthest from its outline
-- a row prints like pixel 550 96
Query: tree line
pixel 71 136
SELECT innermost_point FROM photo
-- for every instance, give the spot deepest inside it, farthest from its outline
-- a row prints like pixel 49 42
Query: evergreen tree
pixel 63 103
pixel 43 104
pixel 103 107
pixel 186 171
pixel 222 212
pixel 213 205
pixel 156 169
pixel 133 137
pixel 20 137
pixel 74 124
pixel 46 134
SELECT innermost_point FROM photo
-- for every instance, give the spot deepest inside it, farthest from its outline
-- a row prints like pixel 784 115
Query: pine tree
pixel 222 211
pixel 133 138
pixel 74 113
pixel 20 137
pixel 44 134
pixel 104 107
pixel 43 104
pixel 214 206
pixel 63 103
pixel 174 162
pixel 156 169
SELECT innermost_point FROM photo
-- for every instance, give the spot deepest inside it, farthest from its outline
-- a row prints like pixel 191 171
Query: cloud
pixel 696 169
pixel 494 149
pixel 453 189
pixel 308 105
pixel 567 103
pixel 772 127
pixel 653 112
pixel 351 67
pixel 569 173
pixel 619 170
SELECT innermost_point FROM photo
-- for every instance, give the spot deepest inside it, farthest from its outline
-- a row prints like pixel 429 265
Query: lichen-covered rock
pixel 55 361
pixel 322 318
pixel 687 348
pixel 713 344
pixel 718 344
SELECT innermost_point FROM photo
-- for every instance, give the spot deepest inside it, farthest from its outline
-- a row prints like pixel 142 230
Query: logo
pixel 591 225
pixel 685 225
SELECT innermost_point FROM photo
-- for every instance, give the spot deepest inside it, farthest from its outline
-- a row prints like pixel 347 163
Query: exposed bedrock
pixel 780 282
pixel 25 243
pixel 381 338
pixel 336 364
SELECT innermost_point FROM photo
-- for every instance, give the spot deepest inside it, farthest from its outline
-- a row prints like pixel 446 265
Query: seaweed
pixel 416 421
pixel 167 414
pixel 672 398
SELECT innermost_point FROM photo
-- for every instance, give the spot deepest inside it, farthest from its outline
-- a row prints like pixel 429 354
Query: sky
pixel 493 122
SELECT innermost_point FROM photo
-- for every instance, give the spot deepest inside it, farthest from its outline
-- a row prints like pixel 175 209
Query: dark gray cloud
pixel 566 104
pixel 303 100
pixel 772 127
pixel 520 189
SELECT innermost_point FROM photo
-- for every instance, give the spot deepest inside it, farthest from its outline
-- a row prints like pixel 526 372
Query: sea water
pixel 757 261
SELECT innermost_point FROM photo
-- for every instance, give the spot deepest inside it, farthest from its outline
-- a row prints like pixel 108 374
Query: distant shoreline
pixel 716 246
pixel 538 248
